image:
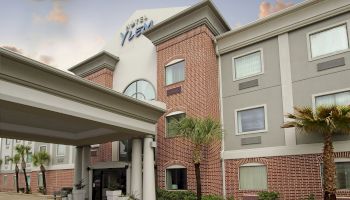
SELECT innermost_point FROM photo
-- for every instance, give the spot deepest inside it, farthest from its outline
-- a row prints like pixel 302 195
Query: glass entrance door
pixel 104 179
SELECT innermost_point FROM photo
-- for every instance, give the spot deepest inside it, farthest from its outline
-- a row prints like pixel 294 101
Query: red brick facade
pixel 294 177
pixel 199 97
pixel 55 180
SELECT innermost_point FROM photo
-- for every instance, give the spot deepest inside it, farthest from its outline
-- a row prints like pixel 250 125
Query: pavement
pixel 15 196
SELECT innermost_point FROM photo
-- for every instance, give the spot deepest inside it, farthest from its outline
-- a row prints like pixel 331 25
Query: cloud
pixel 56 15
pixel 14 49
pixel 46 59
pixel 267 8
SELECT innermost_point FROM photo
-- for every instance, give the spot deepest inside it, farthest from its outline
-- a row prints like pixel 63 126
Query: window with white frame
pixel 170 119
pixel 248 65
pixel 61 150
pixel 339 98
pixel 329 41
pixel 29 157
pixel 141 89
pixel 43 148
pixel 251 120
pixel 40 180
pixel 175 72
pixel 253 177
pixel 176 178
pixel 8 141
pixel 7 161
pixel 4 180
pixel 342 174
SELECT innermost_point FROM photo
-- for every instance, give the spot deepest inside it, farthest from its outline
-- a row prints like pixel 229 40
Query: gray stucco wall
pixel 267 92
pixel 307 80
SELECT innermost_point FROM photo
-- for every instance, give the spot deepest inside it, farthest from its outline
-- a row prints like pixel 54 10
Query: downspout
pixel 223 171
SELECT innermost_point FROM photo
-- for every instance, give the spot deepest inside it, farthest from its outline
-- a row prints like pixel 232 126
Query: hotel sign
pixel 135 29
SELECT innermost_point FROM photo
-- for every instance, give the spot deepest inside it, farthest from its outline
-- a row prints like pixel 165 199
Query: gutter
pixel 223 171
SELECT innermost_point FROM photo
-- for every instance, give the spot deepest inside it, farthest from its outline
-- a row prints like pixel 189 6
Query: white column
pixel 136 168
pixel 149 187
pixel 286 84
pixel 77 164
pixel 84 170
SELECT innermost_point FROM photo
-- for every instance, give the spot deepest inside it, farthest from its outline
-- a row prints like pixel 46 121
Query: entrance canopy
pixel 41 103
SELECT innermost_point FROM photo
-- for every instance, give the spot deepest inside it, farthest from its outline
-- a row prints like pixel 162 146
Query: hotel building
pixel 248 78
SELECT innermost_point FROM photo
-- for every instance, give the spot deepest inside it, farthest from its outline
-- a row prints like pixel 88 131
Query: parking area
pixel 10 196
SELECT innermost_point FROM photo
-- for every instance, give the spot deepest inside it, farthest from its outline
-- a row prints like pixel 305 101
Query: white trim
pixel 174 62
pixel 175 113
pixel 326 93
pixel 249 108
pixel 245 54
pixel 339 146
pixel 309 52
pixel 286 86
pixel 252 165
pixel 340 160
pixel 176 167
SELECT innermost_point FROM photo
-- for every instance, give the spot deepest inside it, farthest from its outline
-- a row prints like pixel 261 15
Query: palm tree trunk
pixel 329 170
pixel 44 177
pixel 198 180
pixel 25 175
pixel 17 181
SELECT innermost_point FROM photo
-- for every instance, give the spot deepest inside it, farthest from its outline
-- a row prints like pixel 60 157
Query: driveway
pixel 10 196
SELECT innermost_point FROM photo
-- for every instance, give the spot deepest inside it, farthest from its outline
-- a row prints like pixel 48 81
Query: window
pixel 342 174
pixel 123 150
pixel 141 89
pixel 7 160
pixel 329 41
pixel 8 141
pixel 175 72
pixel 43 148
pixel 340 98
pixel 29 157
pixel 14 181
pixel 248 65
pixel 18 141
pixel 253 177
pixel 40 180
pixel 251 120
pixel 176 178
pixel 61 150
pixel 169 119
pixel 4 180
pixel 28 179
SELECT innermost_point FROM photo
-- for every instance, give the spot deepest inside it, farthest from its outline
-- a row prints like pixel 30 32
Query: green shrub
pixel 175 195
pixel 212 197
pixel 311 197
pixel 268 195
pixel 184 195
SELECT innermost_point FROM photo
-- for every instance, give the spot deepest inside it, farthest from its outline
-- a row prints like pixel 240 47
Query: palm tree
pixel 15 160
pixel 327 121
pixel 42 158
pixel 23 151
pixel 201 132
pixel 0 163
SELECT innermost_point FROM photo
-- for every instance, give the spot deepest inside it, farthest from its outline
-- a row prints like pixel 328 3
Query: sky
pixel 62 33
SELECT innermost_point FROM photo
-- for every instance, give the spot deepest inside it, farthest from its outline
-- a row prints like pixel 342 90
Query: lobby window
pixel 253 176
pixel 175 72
pixel 342 174
pixel 251 120
pixel 329 41
pixel 248 65
pixel 140 89
pixel 339 98
pixel 176 178
pixel 61 150
pixel 43 148
pixel 169 119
